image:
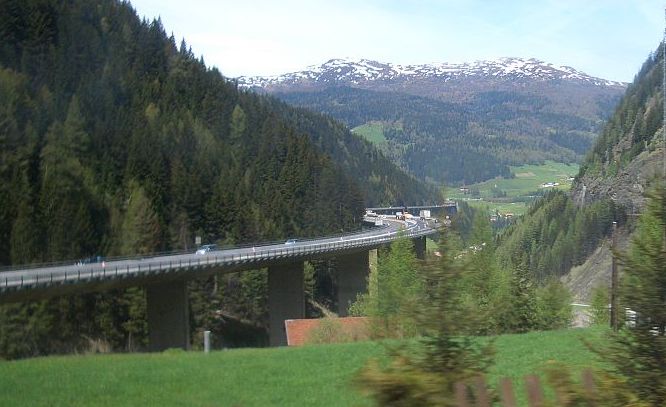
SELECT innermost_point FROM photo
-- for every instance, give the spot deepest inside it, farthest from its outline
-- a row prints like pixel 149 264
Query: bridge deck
pixel 43 282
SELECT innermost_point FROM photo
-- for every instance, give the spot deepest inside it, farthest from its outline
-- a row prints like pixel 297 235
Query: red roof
pixel 299 330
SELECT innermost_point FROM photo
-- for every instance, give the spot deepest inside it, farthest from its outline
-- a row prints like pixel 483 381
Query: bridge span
pixel 445 208
pixel 165 277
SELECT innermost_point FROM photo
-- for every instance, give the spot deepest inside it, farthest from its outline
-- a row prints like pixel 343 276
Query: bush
pixel 600 312
pixel 424 372
pixel 331 330
pixel 554 306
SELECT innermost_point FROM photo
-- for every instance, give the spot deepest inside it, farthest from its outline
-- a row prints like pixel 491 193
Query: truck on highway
pixel 424 214
pixel 404 215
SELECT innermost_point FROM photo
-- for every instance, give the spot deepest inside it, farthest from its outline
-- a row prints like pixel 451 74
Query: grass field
pixel 528 179
pixel 373 132
pixel 312 376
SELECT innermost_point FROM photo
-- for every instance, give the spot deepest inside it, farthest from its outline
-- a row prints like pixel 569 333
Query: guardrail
pixel 23 279
pixel 174 252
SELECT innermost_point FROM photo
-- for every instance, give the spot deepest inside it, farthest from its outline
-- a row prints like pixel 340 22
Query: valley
pixel 456 124
pixel 514 195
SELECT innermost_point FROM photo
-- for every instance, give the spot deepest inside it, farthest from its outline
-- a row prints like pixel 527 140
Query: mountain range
pixel 362 72
pixel 456 123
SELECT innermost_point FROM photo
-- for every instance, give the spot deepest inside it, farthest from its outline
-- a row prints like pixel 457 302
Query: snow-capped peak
pixel 356 71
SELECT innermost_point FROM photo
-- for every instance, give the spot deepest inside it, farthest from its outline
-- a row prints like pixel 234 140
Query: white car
pixel 206 248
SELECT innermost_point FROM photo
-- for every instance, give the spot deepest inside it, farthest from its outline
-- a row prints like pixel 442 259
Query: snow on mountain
pixel 349 71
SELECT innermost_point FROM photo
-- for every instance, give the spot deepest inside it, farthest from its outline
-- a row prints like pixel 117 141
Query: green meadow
pixel 514 194
pixel 372 131
pixel 320 375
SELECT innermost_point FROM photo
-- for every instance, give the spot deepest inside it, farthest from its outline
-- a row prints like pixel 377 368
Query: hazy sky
pixel 605 38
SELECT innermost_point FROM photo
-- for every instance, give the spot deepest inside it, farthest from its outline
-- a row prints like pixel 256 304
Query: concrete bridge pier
pixel 286 299
pixel 419 247
pixel 352 278
pixel 168 316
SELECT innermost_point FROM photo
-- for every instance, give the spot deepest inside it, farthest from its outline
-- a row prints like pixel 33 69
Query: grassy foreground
pixel 313 375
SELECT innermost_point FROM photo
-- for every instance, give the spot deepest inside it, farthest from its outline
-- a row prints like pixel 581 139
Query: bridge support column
pixel 286 299
pixel 419 247
pixel 168 316
pixel 352 278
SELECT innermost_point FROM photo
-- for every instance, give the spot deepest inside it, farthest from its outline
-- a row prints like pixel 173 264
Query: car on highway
pixel 90 260
pixel 291 241
pixel 206 248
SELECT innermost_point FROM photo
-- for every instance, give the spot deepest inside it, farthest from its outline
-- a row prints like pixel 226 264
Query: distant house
pixel 549 184
pixel 464 190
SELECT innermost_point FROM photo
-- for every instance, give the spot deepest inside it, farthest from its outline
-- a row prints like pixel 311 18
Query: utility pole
pixel 614 281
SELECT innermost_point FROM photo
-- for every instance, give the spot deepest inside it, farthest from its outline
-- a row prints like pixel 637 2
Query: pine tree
pixel 553 302
pixel 426 373
pixel 399 288
pixel 599 305
pixel 141 230
pixel 638 352
pixel 523 302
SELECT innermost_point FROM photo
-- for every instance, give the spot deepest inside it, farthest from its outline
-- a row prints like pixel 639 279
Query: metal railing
pixel 30 278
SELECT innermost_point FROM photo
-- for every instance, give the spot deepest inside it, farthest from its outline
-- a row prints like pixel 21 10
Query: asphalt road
pixel 26 278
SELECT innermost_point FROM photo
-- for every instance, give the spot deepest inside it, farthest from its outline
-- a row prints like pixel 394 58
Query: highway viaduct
pixel 165 277
pixel 445 208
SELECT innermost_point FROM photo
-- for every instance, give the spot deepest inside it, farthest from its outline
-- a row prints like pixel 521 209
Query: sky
pixel 609 39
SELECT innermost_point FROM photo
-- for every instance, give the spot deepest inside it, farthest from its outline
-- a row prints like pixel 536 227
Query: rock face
pixel 627 187
pixel 628 157
pixel 596 271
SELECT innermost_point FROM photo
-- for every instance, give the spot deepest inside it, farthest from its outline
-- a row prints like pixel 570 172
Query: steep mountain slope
pixel 478 116
pixel 628 155
pixel 626 161
pixel 568 236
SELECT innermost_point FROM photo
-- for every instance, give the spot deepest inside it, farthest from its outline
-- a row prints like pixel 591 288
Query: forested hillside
pixel 634 126
pixel 628 155
pixel 117 141
pixel 560 231
pixel 458 124
pixel 434 140
pixel 555 235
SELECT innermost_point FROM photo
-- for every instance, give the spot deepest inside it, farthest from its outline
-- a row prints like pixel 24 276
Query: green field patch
pixel 514 194
pixel 373 132
pixel 525 174
pixel 319 375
